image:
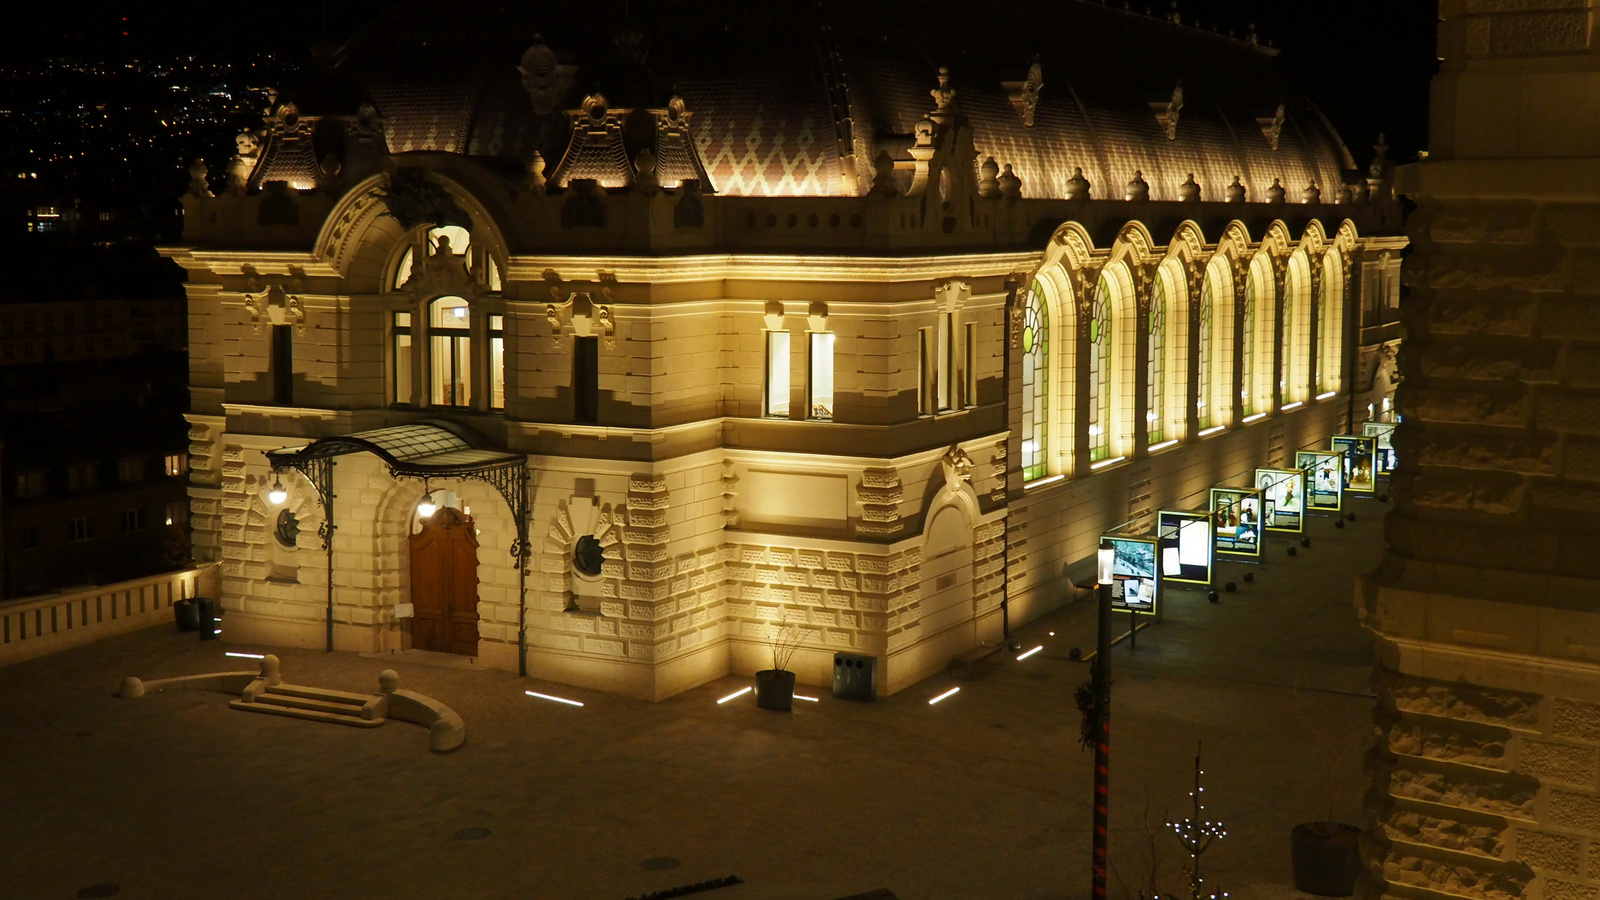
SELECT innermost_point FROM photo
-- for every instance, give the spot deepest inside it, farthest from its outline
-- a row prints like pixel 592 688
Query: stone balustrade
pixel 36 626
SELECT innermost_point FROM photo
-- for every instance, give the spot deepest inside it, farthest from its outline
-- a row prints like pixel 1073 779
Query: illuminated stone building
pixel 1485 778
pixel 707 330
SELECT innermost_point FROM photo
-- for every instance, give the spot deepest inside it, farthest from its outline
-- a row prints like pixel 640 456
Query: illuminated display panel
pixel 1325 471
pixel 1384 433
pixel 1283 499
pixel 1184 545
pixel 1360 462
pixel 1236 517
pixel 1135 586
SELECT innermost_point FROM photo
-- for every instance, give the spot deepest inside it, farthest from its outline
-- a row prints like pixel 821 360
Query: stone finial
pixel 883 184
pixel 943 95
pixel 198 170
pixel 1235 192
pixel 1078 187
pixel 1275 193
pixel 270 669
pixel 989 178
pixel 1312 193
pixel 388 681
pixel 644 167
pixel 1189 191
pixel 534 182
pixel 1138 188
pixel 239 169
pixel 1010 184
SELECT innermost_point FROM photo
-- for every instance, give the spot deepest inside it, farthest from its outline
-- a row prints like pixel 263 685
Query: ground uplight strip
pixel 804 697
pixel 951 692
pixel 550 697
pixel 1030 653
pixel 246 655
pixel 739 693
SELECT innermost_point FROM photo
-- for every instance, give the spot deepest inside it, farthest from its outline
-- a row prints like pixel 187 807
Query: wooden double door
pixel 444 584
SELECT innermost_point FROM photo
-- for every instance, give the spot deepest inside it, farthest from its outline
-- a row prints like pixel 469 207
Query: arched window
pixel 1330 324
pixel 1214 397
pixel 1247 349
pixel 460 241
pixel 1100 373
pixel 450 351
pixel 1260 330
pixel 1204 351
pixel 1035 383
pixel 1294 371
pixel 1155 365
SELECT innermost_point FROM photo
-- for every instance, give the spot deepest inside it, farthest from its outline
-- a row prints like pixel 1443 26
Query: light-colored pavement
pixel 984 795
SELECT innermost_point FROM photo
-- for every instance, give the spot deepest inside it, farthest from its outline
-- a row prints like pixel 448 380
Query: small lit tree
pixel 1196 834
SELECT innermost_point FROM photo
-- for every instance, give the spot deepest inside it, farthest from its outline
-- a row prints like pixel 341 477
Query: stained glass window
pixel 1035 383
pixel 1202 392
pixel 1100 377
pixel 1156 388
pixel 1247 349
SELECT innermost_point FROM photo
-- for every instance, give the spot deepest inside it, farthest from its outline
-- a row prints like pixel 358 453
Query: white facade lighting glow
pixel 1163 445
pixel 1030 653
pixel 1326 394
pixel 277 494
pixel 739 693
pixel 1255 417
pixel 1212 430
pixel 1106 462
pixel 549 697
pixel 953 691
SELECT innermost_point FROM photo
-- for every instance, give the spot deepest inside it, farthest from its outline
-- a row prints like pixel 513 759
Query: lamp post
pixel 1102 710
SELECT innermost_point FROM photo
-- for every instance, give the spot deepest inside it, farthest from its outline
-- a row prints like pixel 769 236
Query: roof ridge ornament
pixel 1234 192
pixel 1275 193
pixel 943 97
pixel 989 178
pixel 1189 191
pixel 1024 95
pixel 1312 193
pixel 1078 187
pixel 1272 126
pixel 1167 111
pixel 1010 184
pixel 544 77
pixel 1138 188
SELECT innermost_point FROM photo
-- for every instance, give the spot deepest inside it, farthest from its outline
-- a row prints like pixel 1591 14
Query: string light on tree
pixel 1196 834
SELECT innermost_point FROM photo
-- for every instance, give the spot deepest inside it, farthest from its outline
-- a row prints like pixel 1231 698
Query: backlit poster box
pixel 1283 499
pixel 1184 545
pixel 1360 462
pixel 1135 586
pixel 1236 521
pixel 1325 469
pixel 1384 432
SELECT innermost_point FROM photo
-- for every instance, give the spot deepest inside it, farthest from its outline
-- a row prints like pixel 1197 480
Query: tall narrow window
pixel 402 357
pixel 777 400
pixel 1155 367
pixel 1035 383
pixel 283 365
pixel 1286 342
pixel 925 372
pixel 1202 393
pixel 946 361
pixel 450 346
pixel 1247 349
pixel 820 385
pixel 1100 373
pixel 969 350
pixel 497 362
pixel 586 379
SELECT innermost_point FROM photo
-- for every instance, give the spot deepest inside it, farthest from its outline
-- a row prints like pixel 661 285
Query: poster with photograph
pixel 1360 462
pixel 1135 586
pixel 1384 433
pixel 1236 521
pixel 1326 472
pixel 1283 493
pixel 1184 540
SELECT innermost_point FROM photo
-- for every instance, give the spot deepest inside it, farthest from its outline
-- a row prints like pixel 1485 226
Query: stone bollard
pixel 269 670
pixel 131 687
pixel 388 681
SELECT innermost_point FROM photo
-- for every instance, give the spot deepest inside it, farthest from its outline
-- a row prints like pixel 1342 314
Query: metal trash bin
pixel 205 610
pixel 187 615
pixel 855 677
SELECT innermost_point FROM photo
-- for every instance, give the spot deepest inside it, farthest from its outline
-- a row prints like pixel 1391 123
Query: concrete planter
pixel 1326 858
pixel 775 689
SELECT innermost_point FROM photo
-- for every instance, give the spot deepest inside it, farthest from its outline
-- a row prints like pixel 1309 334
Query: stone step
pixel 314 715
pixel 300 690
pixel 334 707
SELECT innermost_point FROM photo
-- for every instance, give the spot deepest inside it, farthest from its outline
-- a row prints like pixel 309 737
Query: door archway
pixel 444 584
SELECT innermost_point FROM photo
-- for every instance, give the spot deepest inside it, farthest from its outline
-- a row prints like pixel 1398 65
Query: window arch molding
pixel 364 244
pixel 1330 323
pixel 1113 349
pixel 1215 317
pixel 1295 357
pixel 1257 335
pixel 1058 298
pixel 1168 358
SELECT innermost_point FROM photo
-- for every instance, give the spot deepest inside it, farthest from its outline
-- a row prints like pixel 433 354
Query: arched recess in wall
pixel 1112 356
pixel 1294 370
pixel 1257 330
pixel 947 569
pixel 1214 318
pixel 1166 364
pixel 1330 323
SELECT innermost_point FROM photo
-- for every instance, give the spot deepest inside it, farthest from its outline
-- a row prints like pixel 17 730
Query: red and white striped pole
pixel 1102 708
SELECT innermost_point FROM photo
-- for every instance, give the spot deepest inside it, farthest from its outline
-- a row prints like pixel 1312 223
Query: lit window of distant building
pixel 131 470
pixel 177 463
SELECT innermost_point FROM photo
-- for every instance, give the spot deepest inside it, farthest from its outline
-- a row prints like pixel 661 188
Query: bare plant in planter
pixel 1326 854
pixel 775 686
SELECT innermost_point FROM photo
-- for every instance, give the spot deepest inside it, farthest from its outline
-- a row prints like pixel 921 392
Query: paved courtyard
pixel 985 795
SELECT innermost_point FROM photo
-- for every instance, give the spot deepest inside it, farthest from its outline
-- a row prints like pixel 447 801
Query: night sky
pixel 1365 62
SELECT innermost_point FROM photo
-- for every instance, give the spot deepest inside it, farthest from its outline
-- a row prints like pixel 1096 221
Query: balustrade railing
pixel 35 626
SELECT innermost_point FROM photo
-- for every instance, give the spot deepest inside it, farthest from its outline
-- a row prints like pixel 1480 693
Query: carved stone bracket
pixel 1168 111
pixel 274 304
pixel 1272 127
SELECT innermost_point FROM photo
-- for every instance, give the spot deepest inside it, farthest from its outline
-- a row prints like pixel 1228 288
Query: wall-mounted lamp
pixel 277 494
